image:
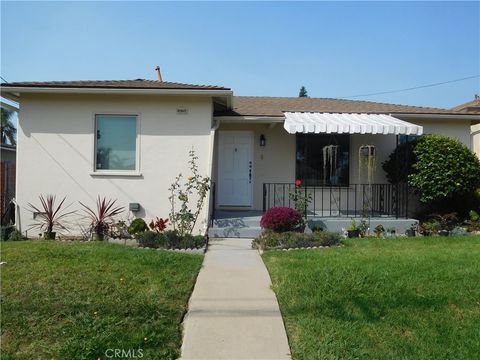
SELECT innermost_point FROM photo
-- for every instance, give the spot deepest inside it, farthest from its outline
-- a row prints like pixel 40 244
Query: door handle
pixel 249 172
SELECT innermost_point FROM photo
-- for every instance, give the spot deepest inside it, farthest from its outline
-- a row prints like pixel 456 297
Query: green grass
pixel 409 298
pixel 76 300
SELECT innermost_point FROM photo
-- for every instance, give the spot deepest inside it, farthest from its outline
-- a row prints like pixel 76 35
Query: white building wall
pixel 56 151
pixel 476 139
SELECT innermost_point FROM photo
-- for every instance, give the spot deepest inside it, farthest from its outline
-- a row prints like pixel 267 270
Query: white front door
pixel 235 166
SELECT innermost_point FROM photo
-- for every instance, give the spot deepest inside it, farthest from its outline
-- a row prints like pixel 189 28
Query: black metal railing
pixel 354 200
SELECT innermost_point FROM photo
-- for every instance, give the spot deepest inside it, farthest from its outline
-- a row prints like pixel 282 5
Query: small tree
pixel 445 170
pixel 303 92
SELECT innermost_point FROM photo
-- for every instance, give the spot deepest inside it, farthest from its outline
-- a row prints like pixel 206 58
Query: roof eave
pixel 474 118
pixel 15 91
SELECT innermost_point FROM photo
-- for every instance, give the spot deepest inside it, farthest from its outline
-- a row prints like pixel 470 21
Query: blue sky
pixel 256 48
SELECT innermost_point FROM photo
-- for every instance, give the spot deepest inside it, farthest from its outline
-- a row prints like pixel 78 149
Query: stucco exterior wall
pixel 476 139
pixel 56 150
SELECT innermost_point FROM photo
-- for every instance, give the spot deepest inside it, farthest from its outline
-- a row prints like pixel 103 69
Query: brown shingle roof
pixel 275 106
pixel 117 84
pixel 471 107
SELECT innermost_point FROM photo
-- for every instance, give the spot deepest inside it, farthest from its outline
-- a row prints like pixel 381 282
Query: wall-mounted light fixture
pixel 263 141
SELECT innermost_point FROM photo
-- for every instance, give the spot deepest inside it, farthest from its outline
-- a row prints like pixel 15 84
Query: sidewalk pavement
pixel 233 313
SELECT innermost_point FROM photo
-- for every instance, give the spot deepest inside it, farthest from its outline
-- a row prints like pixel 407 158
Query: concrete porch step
pixel 234 232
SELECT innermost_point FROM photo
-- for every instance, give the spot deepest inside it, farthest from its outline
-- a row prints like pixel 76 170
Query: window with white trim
pixel 115 142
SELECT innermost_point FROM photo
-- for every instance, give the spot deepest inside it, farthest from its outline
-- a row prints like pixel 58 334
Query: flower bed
pixel 289 240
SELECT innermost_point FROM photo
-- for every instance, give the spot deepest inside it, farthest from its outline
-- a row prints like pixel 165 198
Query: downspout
pixel 211 206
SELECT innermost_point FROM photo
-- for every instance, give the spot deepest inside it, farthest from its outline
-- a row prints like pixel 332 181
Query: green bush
pixel 286 240
pixel 16 235
pixel 152 239
pixel 137 226
pixel 445 170
pixel 187 241
pixel 5 232
pixel 171 240
pixel 400 162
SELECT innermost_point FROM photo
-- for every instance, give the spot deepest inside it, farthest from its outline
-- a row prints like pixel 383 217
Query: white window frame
pixel 101 172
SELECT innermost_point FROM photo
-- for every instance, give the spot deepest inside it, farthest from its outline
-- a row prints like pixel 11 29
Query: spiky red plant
pixel 158 225
pixel 102 217
pixel 49 216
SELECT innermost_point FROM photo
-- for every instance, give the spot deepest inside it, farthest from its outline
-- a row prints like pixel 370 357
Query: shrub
pixel 16 235
pixel 137 226
pixel 316 228
pixel 177 241
pixel 152 239
pixel 119 230
pixel 394 167
pixel 282 219
pixel 290 239
pixel 5 232
pixel 445 169
pixel 173 239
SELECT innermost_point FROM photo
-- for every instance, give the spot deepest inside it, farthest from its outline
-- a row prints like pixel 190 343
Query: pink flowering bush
pixel 281 219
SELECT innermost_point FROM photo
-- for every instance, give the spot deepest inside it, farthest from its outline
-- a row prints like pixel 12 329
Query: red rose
pixel 298 182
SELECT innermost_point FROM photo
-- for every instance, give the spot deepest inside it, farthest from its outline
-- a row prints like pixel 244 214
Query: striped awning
pixel 342 123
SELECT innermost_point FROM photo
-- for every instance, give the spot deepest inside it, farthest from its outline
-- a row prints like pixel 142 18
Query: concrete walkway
pixel 233 313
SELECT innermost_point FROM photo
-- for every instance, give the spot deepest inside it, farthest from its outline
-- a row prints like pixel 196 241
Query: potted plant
pixel 49 216
pixel 353 231
pixel 379 230
pixel 367 159
pixel 390 232
pixel 102 217
pixel 412 231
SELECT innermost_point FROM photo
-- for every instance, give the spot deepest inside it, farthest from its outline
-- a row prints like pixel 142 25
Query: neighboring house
pixel 129 139
pixel 472 107
pixel 7 181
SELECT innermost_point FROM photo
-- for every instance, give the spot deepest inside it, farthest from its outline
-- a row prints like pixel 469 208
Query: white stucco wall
pixel 476 139
pixel 56 150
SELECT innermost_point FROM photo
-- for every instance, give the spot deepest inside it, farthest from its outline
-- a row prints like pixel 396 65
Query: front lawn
pixel 409 298
pixel 77 300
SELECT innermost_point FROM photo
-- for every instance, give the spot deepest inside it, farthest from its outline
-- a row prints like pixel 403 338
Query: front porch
pixel 255 164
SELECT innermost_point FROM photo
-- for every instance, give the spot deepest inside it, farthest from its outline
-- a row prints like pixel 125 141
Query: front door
pixel 235 156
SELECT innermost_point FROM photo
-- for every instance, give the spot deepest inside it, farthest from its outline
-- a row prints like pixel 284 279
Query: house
pixel 127 140
pixel 472 107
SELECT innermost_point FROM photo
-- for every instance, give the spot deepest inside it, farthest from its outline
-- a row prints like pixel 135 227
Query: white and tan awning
pixel 342 123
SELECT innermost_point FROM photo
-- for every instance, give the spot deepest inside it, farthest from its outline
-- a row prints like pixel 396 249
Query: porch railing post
pixel 305 205
pixel 406 200
pixel 264 208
